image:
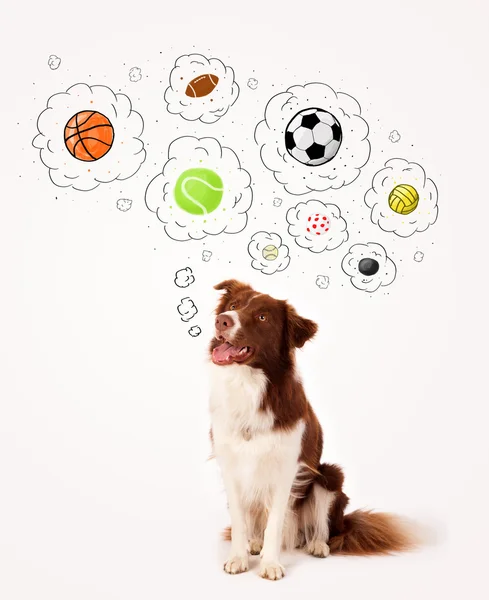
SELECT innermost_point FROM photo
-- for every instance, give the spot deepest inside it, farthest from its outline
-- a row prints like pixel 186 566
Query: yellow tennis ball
pixel 270 252
pixel 403 199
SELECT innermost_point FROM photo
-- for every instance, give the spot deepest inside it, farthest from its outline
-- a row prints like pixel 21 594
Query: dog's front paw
pixel 271 570
pixel 236 564
pixel 255 547
pixel 318 548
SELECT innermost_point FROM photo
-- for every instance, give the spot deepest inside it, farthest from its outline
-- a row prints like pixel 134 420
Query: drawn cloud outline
pixel 186 152
pixel 122 161
pixel 54 62
pixel 135 74
pixel 184 277
pixel 195 331
pixel 200 109
pixel 124 204
pixel 322 281
pixel 387 268
pixel 395 172
pixel 394 136
pixel 299 179
pixel 187 309
pixel 297 218
pixel 258 242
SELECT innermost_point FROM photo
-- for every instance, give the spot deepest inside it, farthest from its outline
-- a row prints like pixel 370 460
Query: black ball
pixel 368 266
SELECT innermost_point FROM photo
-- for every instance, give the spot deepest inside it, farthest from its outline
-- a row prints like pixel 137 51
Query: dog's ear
pixel 300 330
pixel 231 286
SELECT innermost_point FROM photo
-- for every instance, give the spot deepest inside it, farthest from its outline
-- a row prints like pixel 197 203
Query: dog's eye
pixel 262 317
pixel 232 307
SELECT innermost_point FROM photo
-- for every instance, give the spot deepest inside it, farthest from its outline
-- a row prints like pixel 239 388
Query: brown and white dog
pixel 268 443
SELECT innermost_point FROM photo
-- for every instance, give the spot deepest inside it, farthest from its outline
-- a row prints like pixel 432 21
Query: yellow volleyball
pixel 403 199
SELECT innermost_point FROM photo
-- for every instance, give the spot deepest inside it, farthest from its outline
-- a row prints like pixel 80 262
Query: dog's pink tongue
pixel 224 353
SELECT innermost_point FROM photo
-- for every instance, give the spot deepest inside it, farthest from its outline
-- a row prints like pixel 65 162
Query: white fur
pixel 303 477
pixel 315 516
pixel 259 466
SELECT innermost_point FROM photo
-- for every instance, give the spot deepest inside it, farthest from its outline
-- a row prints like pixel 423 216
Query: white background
pixel 105 492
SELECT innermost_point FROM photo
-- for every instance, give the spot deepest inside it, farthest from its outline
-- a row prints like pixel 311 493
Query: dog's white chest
pixel 235 404
pixel 244 440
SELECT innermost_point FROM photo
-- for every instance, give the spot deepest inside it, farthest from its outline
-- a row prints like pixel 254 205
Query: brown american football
pixel 202 85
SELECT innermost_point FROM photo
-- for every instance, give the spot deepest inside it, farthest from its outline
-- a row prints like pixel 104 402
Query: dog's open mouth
pixel 226 353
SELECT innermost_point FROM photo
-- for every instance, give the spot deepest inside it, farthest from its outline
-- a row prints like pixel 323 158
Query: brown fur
pixel 360 532
pixel 366 533
pixel 275 342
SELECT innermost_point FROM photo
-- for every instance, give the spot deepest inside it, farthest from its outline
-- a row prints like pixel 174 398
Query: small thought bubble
pixel 124 204
pixel 184 277
pixel 54 62
pixel 135 74
pixel 394 136
pixel 194 331
pixel 277 201
pixel 418 256
pixel 206 255
pixel 187 309
pixel 322 281
pixel 252 83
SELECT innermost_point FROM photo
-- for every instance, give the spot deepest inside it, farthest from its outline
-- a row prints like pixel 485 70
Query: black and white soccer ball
pixel 313 137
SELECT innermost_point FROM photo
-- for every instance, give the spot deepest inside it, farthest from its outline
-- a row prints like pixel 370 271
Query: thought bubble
pixel 201 88
pixel 252 83
pixel 89 135
pixel 369 267
pixel 54 62
pixel 317 226
pixel 195 331
pixel 184 277
pixel 187 309
pixel 418 256
pixel 335 120
pixel 322 281
pixel 124 204
pixel 277 201
pixel 268 253
pixel 402 199
pixel 202 190
pixel 206 255
pixel 394 136
pixel 135 74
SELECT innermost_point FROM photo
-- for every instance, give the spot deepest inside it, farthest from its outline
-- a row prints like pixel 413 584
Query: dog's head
pixel 255 329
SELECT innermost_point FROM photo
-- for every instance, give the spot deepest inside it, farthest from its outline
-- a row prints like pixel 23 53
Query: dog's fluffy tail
pixel 366 533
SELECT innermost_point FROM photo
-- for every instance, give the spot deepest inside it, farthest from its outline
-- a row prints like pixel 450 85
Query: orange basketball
pixel 89 135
